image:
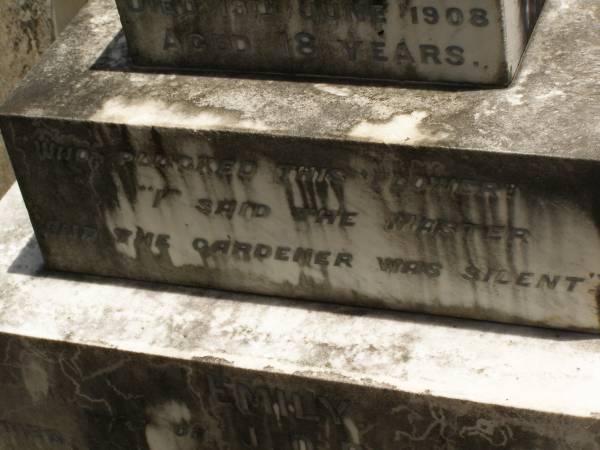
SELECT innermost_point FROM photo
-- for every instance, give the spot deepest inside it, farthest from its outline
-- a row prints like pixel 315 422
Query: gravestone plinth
pixel 432 41
pixel 95 364
pixel 479 204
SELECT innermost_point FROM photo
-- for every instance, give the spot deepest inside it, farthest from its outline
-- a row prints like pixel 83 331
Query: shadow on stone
pixel 29 262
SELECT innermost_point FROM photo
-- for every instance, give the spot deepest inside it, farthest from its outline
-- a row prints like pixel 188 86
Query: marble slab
pixel 91 363
pixel 479 204
pixel 466 42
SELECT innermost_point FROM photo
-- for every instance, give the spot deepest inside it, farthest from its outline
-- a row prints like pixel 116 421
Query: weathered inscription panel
pixel 65 397
pixel 502 237
pixel 463 41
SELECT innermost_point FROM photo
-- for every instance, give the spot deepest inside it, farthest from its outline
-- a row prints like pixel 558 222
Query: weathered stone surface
pixel 99 364
pixel 417 40
pixel 27 27
pixel 7 177
pixel 477 203
pixel 63 11
pixel 25 31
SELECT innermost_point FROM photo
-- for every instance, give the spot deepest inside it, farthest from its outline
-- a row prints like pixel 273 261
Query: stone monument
pixel 472 203
pixel 403 40
pixel 446 202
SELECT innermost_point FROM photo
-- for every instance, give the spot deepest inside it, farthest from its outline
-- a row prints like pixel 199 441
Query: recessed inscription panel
pixel 353 223
pixel 419 40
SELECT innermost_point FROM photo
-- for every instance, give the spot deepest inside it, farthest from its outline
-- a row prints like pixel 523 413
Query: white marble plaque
pixel 466 41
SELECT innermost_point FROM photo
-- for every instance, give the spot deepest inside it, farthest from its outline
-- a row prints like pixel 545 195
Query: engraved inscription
pixel 269 411
pixel 158 241
pixel 394 227
pixel 403 266
pixel 309 45
pixel 198 42
pixel 245 251
pixel 54 148
pixel 229 208
pixel 566 283
pixel 430 15
pixel 402 221
pixel 203 165
pixel 325 216
pixel 308 192
pixel 395 39
pixel 74 231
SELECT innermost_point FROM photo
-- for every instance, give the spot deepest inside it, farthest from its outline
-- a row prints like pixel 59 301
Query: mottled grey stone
pixel 25 31
pixel 63 11
pixel 7 177
pixel 461 42
pixel 91 363
pixel 27 27
pixel 481 204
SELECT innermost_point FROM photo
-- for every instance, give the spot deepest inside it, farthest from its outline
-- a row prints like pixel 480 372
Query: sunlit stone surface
pixel 465 41
pixel 481 204
pixel 92 363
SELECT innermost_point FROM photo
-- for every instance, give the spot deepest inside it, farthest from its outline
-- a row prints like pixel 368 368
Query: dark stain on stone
pixel 127 173
pixel 209 405
pixel 212 360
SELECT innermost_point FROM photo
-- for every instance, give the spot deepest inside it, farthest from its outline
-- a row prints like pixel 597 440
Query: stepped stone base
pixel 92 363
pixel 478 204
